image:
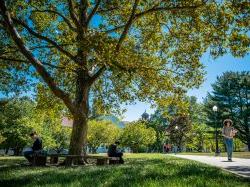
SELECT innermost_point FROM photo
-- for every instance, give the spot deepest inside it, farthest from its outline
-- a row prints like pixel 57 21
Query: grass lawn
pixel 140 170
pixel 235 154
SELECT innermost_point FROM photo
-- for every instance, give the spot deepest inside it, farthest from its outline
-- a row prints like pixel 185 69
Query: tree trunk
pixel 79 132
pixel 16 151
pixel 78 138
pixel 6 151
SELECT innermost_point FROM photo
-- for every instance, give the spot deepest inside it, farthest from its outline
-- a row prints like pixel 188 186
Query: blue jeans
pixel 28 155
pixel 229 145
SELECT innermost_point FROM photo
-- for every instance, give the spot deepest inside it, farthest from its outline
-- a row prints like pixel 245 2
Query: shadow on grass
pixel 243 170
pixel 135 172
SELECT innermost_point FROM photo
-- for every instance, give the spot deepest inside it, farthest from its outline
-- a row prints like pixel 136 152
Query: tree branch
pixel 66 20
pixel 93 12
pixel 134 17
pixel 26 61
pixel 83 13
pixel 32 60
pixel 107 10
pixel 13 59
pixel 53 66
pixel 127 26
pixel 97 74
pixel 72 13
pixel 114 29
pixel 32 32
pixel 157 9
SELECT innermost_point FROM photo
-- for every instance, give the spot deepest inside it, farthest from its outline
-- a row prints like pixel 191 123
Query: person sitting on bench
pixel 113 152
pixel 37 146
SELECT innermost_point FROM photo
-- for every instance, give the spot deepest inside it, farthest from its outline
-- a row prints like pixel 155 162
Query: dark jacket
pixel 37 145
pixel 112 150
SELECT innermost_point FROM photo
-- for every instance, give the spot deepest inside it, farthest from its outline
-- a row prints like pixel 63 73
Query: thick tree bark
pixel 78 137
pixel 16 151
pixel 80 117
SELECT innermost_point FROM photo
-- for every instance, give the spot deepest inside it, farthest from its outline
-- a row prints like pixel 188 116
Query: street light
pixel 215 109
pixel 176 147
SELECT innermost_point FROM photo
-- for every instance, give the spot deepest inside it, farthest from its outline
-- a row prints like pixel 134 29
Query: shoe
pixel 230 160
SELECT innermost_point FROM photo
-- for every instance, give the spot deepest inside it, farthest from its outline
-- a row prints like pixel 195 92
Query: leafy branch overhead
pixel 151 34
pixel 111 52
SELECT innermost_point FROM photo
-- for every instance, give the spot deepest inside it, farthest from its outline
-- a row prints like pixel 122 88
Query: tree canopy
pixel 101 133
pixel 13 124
pixel 137 136
pixel 116 51
pixel 231 93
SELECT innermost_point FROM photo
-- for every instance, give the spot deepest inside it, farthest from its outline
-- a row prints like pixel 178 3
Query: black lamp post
pixel 215 109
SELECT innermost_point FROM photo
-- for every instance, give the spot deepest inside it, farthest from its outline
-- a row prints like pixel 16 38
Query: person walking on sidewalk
pixel 228 132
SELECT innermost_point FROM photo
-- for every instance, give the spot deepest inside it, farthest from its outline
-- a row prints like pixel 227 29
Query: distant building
pixel 66 122
pixel 145 116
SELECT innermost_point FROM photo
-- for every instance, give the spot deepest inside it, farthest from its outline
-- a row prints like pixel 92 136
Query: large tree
pixel 113 50
pixel 231 93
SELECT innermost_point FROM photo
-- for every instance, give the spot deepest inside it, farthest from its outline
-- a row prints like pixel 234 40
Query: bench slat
pixel 100 159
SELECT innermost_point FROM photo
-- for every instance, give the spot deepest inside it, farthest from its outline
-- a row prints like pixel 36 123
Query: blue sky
pixel 213 69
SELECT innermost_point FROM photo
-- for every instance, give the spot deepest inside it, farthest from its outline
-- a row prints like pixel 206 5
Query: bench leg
pixel 114 162
pixel 39 161
pixel 54 160
pixel 100 162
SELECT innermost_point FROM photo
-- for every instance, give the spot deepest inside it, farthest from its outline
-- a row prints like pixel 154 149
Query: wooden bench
pixel 100 160
pixel 114 160
pixel 39 158
pixel 54 158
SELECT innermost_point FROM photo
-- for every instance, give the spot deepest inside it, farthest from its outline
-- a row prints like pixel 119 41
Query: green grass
pixel 140 170
pixel 235 154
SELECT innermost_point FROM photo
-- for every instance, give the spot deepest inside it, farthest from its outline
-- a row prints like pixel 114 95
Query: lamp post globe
pixel 215 109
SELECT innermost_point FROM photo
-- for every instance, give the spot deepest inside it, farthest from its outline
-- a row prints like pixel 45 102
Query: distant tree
pixel 13 124
pixel 159 123
pixel 117 51
pixel 46 119
pixel 231 93
pixel 101 133
pixel 238 145
pixel 2 138
pixel 178 130
pixel 163 116
pixel 137 136
pixel 196 111
pixel 200 137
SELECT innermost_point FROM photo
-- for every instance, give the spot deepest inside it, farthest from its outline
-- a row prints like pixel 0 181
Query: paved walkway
pixel 238 166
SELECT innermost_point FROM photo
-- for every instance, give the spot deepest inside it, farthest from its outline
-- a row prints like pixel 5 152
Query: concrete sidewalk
pixel 238 166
